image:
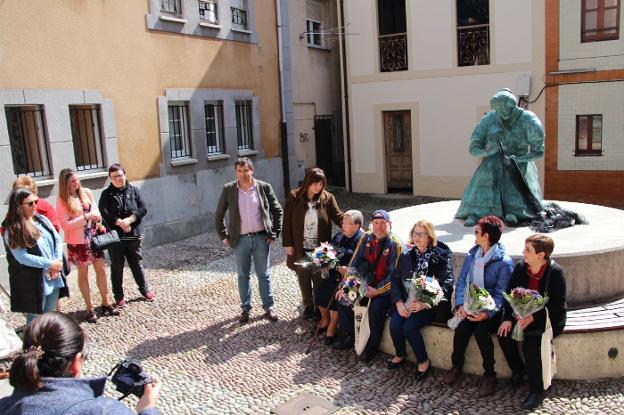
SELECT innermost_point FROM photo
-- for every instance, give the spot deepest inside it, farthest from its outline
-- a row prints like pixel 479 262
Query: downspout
pixel 283 124
pixel 345 88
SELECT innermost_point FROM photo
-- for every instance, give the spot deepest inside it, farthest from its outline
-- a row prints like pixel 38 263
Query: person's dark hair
pixel 115 167
pixel 314 175
pixel 541 243
pixel 493 226
pixel 22 233
pixel 241 161
pixel 51 342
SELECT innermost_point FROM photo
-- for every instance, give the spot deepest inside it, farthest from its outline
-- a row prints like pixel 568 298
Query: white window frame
pixel 215 5
pixel 311 32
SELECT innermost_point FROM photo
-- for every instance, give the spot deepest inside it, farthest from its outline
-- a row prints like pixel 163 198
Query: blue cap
pixel 381 214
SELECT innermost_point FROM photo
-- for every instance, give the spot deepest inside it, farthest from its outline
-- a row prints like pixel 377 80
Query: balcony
pixel 473 45
pixel 393 52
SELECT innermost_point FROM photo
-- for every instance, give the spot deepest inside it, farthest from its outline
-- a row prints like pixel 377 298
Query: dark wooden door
pixel 398 143
pixel 329 148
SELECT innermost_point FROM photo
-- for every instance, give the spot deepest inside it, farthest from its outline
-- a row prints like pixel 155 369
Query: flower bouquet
pixel 425 289
pixel 477 300
pixel 353 287
pixel 324 257
pixel 524 302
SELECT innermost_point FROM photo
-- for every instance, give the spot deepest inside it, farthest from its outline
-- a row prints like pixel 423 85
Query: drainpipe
pixel 283 124
pixel 345 88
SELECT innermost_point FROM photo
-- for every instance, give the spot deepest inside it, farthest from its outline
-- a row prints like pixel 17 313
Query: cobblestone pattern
pixel 209 364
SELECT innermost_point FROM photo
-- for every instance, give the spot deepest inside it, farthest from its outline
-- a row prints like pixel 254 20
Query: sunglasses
pixel 31 203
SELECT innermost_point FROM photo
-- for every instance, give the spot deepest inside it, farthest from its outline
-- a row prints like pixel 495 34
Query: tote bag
pixel 549 359
pixel 362 329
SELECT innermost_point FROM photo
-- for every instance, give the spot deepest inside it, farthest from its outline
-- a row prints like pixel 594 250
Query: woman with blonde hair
pixel 431 258
pixel 79 217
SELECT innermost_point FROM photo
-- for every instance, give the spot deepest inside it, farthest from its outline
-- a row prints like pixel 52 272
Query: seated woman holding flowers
pixel 486 266
pixel 540 273
pixel 427 257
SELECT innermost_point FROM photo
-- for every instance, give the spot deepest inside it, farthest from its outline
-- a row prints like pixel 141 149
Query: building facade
pixel 585 101
pixel 419 76
pixel 175 90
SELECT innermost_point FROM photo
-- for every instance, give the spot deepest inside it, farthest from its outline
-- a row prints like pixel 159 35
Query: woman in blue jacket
pixel 489 267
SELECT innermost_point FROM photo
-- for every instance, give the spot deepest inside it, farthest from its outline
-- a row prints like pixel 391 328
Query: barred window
pixel 213 113
pixel 28 140
pixel 208 11
pixel 87 136
pixel 244 126
pixel 473 32
pixel 179 131
pixel 171 6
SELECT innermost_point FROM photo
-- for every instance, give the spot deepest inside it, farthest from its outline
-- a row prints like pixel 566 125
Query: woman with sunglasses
pixel 431 258
pixel 79 217
pixel 35 256
pixel 47 375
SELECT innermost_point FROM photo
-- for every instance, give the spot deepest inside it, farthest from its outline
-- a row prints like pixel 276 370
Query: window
pixel 589 135
pixel 87 136
pixel 29 144
pixel 213 114
pixel 473 32
pixel 244 127
pixel 314 33
pixel 171 6
pixel 179 132
pixel 208 11
pixel 392 35
pixel 600 20
pixel 239 14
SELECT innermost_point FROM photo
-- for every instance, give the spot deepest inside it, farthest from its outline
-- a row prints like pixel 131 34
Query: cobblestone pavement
pixel 209 364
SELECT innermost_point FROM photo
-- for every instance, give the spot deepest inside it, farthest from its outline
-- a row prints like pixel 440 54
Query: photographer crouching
pixel 46 375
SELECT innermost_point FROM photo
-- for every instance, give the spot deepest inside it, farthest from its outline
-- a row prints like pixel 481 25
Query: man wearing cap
pixel 255 221
pixel 376 256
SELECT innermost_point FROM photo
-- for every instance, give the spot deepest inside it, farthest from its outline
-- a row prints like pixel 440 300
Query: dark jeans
pixel 345 321
pixel 409 328
pixel 532 351
pixel 129 249
pixel 482 331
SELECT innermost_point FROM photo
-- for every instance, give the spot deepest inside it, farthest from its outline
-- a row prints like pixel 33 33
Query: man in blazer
pixel 254 222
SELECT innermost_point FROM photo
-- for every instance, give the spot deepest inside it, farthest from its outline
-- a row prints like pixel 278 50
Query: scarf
pixel 310 227
pixel 477 271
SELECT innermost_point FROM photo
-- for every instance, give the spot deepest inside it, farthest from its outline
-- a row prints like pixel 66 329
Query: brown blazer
pixel 294 214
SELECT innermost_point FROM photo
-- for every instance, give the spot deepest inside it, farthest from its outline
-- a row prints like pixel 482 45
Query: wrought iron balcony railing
pixel 393 52
pixel 473 45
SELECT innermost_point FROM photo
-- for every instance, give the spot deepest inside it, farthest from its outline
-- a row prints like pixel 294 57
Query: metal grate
pixel 171 6
pixel 393 52
pixel 214 128
pixel 87 136
pixel 244 126
pixel 473 45
pixel 179 131
pixel 29 144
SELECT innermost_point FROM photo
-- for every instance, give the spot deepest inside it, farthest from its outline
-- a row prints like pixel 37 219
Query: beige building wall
pixel 105 46
pixel 445 100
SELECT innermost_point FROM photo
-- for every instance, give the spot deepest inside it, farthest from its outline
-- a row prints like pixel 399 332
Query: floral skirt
pixel 81 254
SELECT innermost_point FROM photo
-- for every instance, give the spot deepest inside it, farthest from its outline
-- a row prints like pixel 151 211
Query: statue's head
pixel 504 102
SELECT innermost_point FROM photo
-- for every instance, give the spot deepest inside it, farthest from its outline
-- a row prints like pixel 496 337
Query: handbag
pixel 362 328
pixel 104 241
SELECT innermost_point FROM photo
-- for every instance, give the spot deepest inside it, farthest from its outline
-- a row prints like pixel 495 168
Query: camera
pixel 130 378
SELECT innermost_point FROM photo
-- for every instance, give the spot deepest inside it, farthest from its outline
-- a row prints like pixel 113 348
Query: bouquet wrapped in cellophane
pixel 477 300
pixel 353 287
pixel 425 289
pixel 524 302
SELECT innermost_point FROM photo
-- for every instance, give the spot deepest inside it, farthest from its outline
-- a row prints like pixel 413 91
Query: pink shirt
pixel 249 210
pixel 73 225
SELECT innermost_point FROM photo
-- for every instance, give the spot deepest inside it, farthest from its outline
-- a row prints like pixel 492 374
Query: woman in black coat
pixel 427 257
pixel 536 272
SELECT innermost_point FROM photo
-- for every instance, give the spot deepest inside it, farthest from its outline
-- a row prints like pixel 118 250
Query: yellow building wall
pixel 106 46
